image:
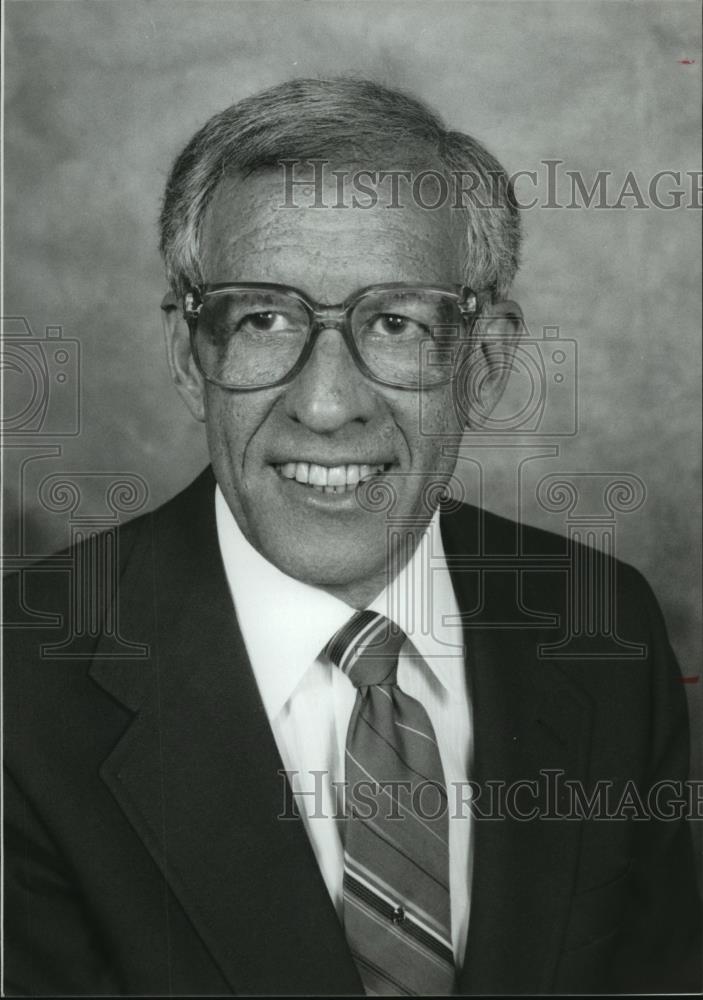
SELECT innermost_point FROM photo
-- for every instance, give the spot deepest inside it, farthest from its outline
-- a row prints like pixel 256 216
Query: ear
pixel 487 368
pixel 184 372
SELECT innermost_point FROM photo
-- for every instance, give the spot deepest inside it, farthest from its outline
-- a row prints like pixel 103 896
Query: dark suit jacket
pixel 143 850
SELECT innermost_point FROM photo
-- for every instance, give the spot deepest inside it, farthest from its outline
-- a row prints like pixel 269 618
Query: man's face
pixel 330 415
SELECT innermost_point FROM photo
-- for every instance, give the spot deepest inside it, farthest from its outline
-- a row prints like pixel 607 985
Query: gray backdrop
pixel 101 95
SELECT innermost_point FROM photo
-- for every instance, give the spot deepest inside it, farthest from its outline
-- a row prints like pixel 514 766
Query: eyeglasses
pixel 256 336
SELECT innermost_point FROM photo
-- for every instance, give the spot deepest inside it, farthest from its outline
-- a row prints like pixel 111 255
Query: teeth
pixel 318 475
pixel 337 476
pixel 328 479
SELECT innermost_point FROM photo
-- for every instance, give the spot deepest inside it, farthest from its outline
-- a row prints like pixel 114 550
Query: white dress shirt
pixel 286 624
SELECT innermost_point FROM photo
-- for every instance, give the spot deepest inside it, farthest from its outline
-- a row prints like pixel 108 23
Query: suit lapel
pixel 528 717
pixel 197 772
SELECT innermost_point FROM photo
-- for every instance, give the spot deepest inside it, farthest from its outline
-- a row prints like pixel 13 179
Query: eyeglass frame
pixel 322 317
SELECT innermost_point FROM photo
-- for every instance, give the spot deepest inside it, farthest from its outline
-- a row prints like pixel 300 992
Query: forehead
pixel 327 251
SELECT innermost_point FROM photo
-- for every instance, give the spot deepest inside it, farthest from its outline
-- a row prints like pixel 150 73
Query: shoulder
pixel 55 611
pixel 49 580
pixel 96 603
pixel 545 571
pixel 471 530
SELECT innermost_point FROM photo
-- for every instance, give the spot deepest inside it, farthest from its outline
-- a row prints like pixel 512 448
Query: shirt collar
pixel 287 623
pixel 421 600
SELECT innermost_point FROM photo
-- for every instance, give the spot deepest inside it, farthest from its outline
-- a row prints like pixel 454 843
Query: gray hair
pixel 343 118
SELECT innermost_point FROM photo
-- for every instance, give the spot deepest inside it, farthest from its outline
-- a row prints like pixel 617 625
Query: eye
pixel 264 322
pixel 393 324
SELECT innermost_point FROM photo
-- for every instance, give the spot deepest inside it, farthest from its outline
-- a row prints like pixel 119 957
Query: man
pixel 151 844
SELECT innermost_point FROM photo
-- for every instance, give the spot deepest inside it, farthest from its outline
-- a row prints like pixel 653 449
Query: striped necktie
pixel 396 858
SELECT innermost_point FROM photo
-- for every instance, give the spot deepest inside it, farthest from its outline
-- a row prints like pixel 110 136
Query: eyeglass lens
pixel 254 337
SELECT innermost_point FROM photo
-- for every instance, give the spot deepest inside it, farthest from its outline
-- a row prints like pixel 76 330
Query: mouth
pixel 339 479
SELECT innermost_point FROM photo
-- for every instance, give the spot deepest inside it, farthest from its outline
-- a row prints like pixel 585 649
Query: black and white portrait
pixel 351 444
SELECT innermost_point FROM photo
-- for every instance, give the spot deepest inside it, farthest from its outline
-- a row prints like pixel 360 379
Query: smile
pixel 330 478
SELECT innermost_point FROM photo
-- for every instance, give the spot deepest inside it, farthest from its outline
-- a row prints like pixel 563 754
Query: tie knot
pixel 366 648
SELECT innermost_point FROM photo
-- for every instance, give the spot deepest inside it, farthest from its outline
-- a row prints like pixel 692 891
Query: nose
pixel 330 392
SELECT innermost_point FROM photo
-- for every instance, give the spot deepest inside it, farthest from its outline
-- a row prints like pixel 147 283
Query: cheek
pixel 430 426
pixel 231 423
pixel 437 417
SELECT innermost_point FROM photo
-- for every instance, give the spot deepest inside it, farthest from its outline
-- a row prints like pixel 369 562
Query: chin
pixel 340 565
